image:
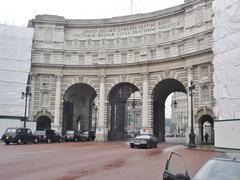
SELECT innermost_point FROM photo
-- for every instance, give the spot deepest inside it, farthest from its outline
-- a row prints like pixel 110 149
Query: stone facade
pixel 142 50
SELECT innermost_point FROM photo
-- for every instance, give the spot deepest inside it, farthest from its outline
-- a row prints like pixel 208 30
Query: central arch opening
pixel 160 93
pixel 125 111
pixel 77 108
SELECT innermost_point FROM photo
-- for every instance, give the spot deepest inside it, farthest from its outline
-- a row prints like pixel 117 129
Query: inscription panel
pixel 125 31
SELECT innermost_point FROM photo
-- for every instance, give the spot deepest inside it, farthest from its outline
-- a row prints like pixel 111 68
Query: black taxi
pixel 19 135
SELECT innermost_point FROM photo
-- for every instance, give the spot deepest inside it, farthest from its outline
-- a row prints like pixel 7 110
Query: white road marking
pixel 36 152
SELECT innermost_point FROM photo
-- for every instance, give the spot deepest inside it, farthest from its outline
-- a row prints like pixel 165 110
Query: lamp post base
pixel 192 143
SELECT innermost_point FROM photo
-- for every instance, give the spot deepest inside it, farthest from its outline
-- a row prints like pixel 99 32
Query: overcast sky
pixel 18 12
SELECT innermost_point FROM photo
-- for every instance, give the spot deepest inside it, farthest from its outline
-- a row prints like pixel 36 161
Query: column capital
pixel 189 68
pixel 102 76
pixel 145 75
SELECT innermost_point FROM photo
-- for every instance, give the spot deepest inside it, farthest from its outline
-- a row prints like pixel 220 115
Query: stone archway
pixel 43 122
pixel 159 95
pixel 205 116
pixel 118 97
pixel 77 107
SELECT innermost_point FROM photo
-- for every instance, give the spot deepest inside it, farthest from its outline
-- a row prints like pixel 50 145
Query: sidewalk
pixel 212 148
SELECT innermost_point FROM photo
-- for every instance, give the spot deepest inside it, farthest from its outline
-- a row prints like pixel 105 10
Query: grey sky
pixel 18 12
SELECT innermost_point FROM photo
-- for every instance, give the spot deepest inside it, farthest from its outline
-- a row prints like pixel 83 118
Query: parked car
pixel 19 136
pixel 144 140
pixel 48 136
pixel 72 135
pixel 89 135
pixel 226 167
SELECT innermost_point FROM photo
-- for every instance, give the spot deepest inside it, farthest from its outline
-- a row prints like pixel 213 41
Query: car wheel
pixel 19 141
pixel 35 141
pixel 75 139
pixel 131 145
pixel 7 143
pixel 60 140
pixel 49 140
pixel 148 146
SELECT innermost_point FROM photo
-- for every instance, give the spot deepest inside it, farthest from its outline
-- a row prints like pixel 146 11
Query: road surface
pixel 91 160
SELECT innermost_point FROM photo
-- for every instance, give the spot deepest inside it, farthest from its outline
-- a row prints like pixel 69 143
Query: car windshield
pixel 11 130
pixel 219 169
pixel 70 132
pixel 39 132
pixel 143 137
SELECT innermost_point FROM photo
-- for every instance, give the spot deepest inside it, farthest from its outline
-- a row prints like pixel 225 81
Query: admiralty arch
pixel 84 71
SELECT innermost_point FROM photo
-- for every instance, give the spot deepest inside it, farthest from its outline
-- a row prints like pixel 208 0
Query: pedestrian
pixel 206 137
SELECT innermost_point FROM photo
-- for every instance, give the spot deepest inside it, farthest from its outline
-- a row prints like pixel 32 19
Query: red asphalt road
pixel 91 160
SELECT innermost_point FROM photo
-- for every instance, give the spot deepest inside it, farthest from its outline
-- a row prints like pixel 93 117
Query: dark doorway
pixel 118 107
pixel 43 122
pixel 77 108
pixel 67 116
pixel 207 128
pixel 160 93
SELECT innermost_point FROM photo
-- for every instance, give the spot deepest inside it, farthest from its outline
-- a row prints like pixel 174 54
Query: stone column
pixel 31 107
pixel 145 118
pixel 57 103
pixel 101 129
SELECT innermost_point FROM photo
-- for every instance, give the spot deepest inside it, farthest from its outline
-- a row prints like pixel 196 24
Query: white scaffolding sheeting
pixel 226 49
pixel 15 62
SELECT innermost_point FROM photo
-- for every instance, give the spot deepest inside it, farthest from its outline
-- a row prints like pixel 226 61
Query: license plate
pixel 137 143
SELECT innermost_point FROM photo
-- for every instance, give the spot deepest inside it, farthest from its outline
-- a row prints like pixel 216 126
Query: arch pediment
pixel 43 113
pixel 204 110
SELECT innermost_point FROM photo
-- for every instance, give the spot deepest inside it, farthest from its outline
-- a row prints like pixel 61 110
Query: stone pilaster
pixel 57 103
pixel 31 103
pixel 145 118
pixel 101 130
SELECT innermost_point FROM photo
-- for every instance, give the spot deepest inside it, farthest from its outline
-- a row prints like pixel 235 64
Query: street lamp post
pixel 95 111
pixel 26 95
pixel 192 135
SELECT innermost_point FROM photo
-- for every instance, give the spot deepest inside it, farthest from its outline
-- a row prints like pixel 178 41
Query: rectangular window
pixel 96 43
pixel 166 52
pixel 95 59
pixel 124 57
pixel 153 54
pixel 152 37
pixel 200 44
pixel 124 41
pixel 82 43
pixel 138 39
pixel 205 94
pixel 110 42
pixel 110 59
pixel 181 49
pixel 166 35
pixel 47 58
pixel 68 59
pixel 204 71
pixel 137 56
pixel 81 59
